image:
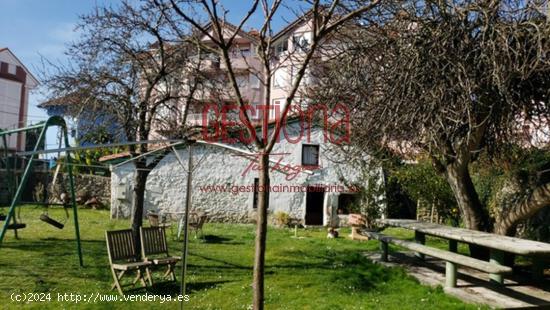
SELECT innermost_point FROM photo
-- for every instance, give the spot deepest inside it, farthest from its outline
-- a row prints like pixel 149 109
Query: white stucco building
pixel 306 182
pixel 15 84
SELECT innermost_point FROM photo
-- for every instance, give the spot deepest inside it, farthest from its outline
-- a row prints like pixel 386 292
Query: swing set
pixel 44 217
pixel 10 162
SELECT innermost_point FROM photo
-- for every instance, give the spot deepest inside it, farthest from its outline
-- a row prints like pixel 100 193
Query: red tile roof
pixel 114 156
pixel 70 99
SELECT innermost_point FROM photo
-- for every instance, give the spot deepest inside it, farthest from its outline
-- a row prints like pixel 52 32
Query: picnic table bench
pixel 452 259
pixel 538 252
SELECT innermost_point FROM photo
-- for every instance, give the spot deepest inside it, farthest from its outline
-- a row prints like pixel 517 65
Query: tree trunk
pixel 140 179
pixel 466 196
pixel 468 202
pixel 261 232
pixel 538 199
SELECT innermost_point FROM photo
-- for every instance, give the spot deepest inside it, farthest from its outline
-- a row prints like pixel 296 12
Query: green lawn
pixel 307 273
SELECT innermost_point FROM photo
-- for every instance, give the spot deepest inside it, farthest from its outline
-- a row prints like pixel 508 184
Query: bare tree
pixel 323 19
pixel 451 79
pixel 131 66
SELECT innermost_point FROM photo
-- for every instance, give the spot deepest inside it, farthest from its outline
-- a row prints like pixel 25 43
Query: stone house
pixel 308 181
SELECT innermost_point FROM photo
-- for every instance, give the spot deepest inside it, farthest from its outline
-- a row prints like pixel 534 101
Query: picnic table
pixel 538 252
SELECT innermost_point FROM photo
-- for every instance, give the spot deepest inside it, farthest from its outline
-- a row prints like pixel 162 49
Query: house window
pixel 254 81
pixel 310 155
pixel 12 69
pixel 281 47
pixel 300 43
pixel 245 52
pixel 279 78
pixel 239 52
pixel 255 197
pixel 242 81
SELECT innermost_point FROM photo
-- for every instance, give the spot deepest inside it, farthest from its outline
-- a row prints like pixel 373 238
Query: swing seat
pixel 17 226
pixel 46 219
pixel 2 217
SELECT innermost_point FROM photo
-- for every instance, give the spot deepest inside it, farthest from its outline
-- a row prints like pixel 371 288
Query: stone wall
pixel 86 187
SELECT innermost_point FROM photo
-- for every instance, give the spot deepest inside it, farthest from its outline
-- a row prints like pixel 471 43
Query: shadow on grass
pixel 53 247
pixel 173 288
pixel 213 239
pixel 226 264
pixel 54 256
pixel 344 269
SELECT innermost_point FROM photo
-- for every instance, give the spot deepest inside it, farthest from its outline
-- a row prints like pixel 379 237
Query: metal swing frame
pixel 15 199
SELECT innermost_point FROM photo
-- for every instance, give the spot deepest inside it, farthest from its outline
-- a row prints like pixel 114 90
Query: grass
pixel 306 273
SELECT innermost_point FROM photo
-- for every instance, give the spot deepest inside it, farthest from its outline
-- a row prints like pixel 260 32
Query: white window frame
pixel 273 109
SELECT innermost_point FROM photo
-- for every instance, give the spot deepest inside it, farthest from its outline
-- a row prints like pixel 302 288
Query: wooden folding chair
pixel 122 258
pixel 197 221
pixel 155 249
pixel 155 221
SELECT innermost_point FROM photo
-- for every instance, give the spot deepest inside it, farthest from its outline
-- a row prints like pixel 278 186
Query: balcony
pixel 209 62
pixel 196 119
pixel 243 63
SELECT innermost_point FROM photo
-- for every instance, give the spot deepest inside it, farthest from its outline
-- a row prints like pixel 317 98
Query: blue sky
pixel 31 28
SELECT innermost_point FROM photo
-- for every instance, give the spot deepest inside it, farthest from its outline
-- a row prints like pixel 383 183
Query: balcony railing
pixel 200 119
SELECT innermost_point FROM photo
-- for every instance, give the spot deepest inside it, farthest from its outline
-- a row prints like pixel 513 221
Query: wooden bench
pixel 452 259
pixel 122 257
pixel 537 252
